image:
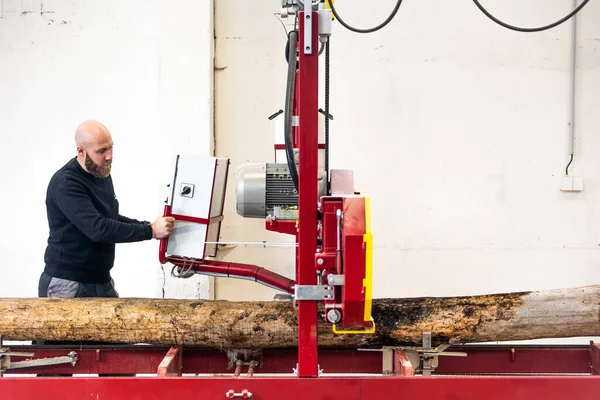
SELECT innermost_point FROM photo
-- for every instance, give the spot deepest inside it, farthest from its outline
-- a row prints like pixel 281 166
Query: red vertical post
pixel 308 97
pixel 162 247
pixel 295 140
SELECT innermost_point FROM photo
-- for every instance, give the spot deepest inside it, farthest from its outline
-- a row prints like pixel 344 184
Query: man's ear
pixel 80 151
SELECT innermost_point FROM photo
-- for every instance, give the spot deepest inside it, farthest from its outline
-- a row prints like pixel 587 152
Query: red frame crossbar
pixel 169 364
pixel 324 388
pixel 145 359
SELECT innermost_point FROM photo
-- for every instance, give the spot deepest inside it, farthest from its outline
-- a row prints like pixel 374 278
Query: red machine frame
pixel 548 372
pixel 545 372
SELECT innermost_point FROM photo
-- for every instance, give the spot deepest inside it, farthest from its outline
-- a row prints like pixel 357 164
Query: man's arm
pixel 76 205
pixel 127 220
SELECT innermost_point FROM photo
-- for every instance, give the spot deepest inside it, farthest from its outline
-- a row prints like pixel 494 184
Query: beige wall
pixel 249 86
pixel 455 126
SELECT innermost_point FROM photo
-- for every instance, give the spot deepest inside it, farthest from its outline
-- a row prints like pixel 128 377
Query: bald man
pixel 84 221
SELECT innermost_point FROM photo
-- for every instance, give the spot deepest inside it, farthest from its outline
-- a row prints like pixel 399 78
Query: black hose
pixel 327 114
pixel 289 104
pixel 538 29
pixel 367 30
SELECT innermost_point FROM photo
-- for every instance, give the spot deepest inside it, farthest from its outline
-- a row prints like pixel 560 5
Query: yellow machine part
pixel 329 7
pixel 368 280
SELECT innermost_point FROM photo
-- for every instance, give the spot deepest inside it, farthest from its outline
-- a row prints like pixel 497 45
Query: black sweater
pixel 84 221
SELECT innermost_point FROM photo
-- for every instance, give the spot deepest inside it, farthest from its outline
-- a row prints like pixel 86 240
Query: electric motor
pixel 266 190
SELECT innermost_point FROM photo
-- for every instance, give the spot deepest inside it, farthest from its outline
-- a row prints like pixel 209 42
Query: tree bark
pixel 227 325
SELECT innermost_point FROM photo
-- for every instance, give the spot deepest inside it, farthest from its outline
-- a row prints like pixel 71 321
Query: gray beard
pixel 99 171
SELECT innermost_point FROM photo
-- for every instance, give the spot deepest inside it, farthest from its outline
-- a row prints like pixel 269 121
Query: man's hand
pixel 162 227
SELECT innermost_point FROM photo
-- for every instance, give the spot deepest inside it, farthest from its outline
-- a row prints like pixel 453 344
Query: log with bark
pixel 229 325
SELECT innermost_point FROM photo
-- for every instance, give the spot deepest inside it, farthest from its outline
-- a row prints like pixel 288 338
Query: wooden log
pixel 229 325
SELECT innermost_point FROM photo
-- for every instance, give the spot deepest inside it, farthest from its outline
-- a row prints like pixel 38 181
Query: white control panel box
pixel 196 197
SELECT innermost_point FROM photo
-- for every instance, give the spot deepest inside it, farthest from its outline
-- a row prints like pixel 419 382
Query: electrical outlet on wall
pixel 571 184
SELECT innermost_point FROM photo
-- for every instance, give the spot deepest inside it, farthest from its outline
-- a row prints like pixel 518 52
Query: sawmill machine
pixel 297 194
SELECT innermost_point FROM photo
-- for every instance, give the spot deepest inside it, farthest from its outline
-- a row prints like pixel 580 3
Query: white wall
pixel 144 68
pixel 467 121
pixel 455 126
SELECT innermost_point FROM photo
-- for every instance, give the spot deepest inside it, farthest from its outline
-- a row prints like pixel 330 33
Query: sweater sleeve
pixel 125 219
pixel 77 206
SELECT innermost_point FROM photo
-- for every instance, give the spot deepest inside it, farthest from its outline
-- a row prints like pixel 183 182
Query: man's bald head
pixel 90 131
pixel 94 148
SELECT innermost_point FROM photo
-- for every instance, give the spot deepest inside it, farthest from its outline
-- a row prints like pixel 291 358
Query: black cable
pixel 287 49
pixel 568 165
pixel 541 28
pixel 327 114
pixel 369 30
pixel 289 102
pixel 282 24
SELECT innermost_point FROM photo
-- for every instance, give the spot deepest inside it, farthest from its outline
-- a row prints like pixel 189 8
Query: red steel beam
pixel 480 360
pixel 402 365
pixel 595 358
pixel 322 388
pixel 307 99
pixel 516 360
pixel 146 360
pixel 172 364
